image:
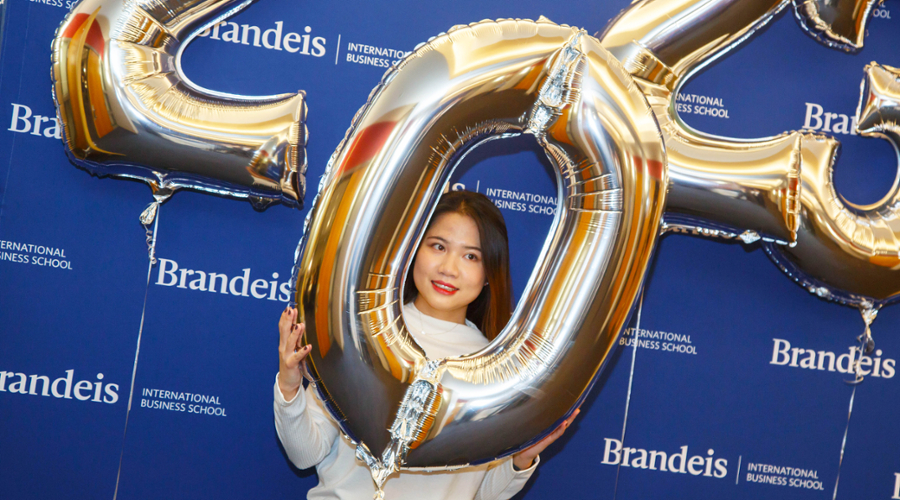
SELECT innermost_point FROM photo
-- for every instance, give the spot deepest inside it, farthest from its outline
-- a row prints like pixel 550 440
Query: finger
pixel 299 331
pixel 290 343
pixel 553 436
pixel 556 434
pixel 547 441
pixel 567 422
pixel 300 355
pixel 293 358
pixel 541 445
pixel 284 325
pixel 560 430
pixel 288 316
pixel 288 340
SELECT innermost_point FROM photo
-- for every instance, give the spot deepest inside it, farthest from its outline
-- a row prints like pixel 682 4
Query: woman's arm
pixel 306 433
pixel 502 480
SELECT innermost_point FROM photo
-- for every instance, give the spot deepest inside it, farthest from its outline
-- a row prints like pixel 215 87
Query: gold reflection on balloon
pixel 779 187
pixel 849 252
pixel 739 186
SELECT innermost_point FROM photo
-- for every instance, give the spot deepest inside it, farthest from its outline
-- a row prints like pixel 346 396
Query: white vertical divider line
pixel 630 382
pixel 844 442
pixel 137 351
pixel 338 51
pixel 737 476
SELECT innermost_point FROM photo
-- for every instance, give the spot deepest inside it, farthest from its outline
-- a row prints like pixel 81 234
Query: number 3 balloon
pixel 129 111
pixel 476 83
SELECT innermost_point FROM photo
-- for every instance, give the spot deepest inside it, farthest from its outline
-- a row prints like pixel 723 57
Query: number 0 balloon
pixel 476 83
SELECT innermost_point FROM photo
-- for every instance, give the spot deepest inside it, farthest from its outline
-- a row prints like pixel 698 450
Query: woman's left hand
pixel 525 458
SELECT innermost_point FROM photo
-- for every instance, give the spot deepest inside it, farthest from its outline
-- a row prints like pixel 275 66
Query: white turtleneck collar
pixel 439 338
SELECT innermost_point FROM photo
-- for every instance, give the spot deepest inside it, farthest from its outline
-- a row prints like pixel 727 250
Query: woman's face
pixel 449 273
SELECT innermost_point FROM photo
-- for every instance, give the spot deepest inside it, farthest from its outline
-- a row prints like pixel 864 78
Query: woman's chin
pixel 443 307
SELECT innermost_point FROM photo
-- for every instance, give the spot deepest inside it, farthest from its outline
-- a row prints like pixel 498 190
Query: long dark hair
pixel 490 311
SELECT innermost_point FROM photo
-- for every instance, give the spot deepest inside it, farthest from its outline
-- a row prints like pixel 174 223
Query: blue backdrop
pixel 93 338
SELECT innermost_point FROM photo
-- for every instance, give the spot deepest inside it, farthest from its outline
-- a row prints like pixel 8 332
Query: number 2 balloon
pixel 129 111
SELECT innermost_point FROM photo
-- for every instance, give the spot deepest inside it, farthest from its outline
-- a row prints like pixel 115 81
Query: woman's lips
pixel 444 288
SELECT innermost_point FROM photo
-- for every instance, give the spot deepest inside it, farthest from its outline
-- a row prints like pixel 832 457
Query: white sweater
pixel 311 438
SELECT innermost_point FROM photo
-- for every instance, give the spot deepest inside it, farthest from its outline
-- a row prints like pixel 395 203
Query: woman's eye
pixel 438 246
pixel 472 257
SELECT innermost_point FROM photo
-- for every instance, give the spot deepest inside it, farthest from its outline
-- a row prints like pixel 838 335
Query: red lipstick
pixel 444 288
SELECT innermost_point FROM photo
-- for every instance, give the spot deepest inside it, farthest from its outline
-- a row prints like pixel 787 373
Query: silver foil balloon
pixel 847 252
pixel 718 187
pixel 129 111
pixel 476 83
pixel 840 24
pixel 780 188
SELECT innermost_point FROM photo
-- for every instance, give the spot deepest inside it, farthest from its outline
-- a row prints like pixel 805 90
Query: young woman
pixel 456 300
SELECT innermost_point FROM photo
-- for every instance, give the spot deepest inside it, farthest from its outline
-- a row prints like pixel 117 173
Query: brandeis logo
pixel 615 454
pixel 241 285
pixel 62 387
pixel 272 38
pixel 794 357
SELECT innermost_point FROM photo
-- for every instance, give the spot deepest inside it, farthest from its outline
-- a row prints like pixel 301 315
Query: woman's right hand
pixel 291 353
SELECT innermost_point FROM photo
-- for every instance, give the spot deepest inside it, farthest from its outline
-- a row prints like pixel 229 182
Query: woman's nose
pixel 448 266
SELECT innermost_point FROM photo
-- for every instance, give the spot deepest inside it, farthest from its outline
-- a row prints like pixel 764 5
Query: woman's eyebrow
pixel 446 242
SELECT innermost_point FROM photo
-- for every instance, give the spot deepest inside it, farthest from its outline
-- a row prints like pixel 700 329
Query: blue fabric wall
pixel 709 384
